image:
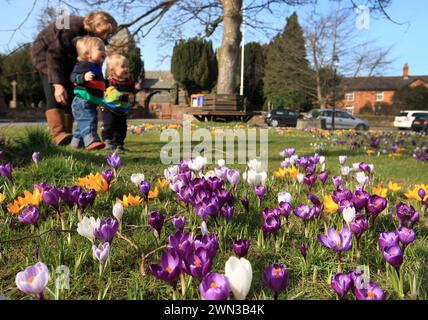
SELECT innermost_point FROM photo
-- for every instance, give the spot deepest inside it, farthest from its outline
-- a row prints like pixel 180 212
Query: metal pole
pixel 334 99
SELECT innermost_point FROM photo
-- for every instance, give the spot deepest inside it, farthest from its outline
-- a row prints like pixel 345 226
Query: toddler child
pixel 119 95
pixel 89 89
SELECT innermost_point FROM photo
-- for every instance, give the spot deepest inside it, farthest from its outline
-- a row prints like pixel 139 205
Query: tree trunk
pixel 229 50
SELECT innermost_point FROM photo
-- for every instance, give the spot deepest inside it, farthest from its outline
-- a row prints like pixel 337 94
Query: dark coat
pixel 54 54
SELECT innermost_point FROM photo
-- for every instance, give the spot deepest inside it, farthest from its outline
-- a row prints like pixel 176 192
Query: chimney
pixel 406 71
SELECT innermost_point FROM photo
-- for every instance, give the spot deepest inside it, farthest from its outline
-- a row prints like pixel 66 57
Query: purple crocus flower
pixel 358 226
pixel 393 255
pixel 33 280
pixel 289 152
pixel 215 286
pixel 169 270
pixel 304 212
pixel 51 197
pixel 267 212
pixel 260 191
pixel 421 194
pixel 101 252
pixel 245 203
pixel 75 192
pixel 376 205
pixel 337 181
pixel 179 222
pixel 6 170
pixel 271 225
pixel 406 214
pixel 341 283
pixel 309 180
pixel 108 175
pixel 388 239
pixel 406 235
pixel 181 243
pixel 144 187
pixel 209 206
pixel 370 292
pixel 156 220
pixel 360 199
pixel 106 230
pixel 339 195
pixel 337 241
pixel 65 195
pixel 233 176
pixel 285 209
pixel 276 278
pixel 29 215
pixel 86 198
pixel 240 247
pixel 323 176
pixel 209 242
pixel 114 160
pixel 198 263
pixel 2 154
pixel 36 156
pixel 364 167
pixel 227 212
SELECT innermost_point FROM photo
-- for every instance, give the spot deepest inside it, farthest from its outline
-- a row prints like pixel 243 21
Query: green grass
pixel 122 277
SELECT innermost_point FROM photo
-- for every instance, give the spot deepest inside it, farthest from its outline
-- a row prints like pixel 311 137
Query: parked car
pixel 342 119
pixel 420 123
pixel 405 119
pixel 282 117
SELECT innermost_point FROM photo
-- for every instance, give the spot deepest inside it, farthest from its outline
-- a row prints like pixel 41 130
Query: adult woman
pixel 54 54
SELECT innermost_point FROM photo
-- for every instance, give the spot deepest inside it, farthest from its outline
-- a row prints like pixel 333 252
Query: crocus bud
pixel 36 157
pixel 348 214
pixel 118 211
pixel 156 220
pixel 303 250
pixel 144 188
pixel 421 194
pixel 179 222
pixel 260 191
pixel 246 203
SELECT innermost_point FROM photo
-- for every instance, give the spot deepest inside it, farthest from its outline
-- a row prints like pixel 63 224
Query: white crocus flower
pixel 345 170
pixel 118 211
pixel 371 166
pixel 356 166
pixel 284 197
pixel 204 228
pixel 300 178
pixel 240 275
pixel 137 178
pixel 197 164
pixel 255 178
pixel 342 160
pixel 86 227
pixel 348 214
pixel 362 178
pixel 322 160
pixel 221 163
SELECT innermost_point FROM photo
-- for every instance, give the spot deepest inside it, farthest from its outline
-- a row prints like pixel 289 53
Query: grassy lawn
pixel 122 277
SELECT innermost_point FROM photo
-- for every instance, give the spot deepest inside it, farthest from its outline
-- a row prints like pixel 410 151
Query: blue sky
pixel 409 42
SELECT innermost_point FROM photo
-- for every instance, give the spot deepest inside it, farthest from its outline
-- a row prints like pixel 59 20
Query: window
pixel 349 96
pixel 379 96
pixel 349 108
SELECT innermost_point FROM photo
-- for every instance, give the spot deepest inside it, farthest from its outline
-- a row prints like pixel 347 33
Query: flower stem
pixel 183 285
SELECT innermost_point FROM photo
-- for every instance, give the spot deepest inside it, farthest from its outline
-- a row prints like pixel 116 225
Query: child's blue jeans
pixel 86 116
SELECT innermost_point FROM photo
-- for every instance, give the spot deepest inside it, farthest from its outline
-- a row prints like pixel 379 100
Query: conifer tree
pixel 288 79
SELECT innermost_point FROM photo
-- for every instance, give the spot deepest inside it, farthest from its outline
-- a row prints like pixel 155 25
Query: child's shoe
pixel 96 145
pixel 122 148
pixel 108 144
